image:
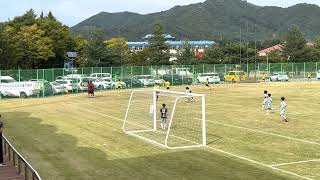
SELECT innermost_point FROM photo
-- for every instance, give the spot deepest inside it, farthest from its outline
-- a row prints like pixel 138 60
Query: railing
pixel 24 168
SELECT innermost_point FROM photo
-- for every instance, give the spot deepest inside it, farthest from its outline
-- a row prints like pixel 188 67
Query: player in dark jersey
pixel 163 112
pixel 207 84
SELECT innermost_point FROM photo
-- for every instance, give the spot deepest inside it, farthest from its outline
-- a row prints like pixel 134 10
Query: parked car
pixel 183 72
pixel 133 83
pixel 98 83
pixel 21 89
pixel 57 88
pixel 49 87
pixel 318 75
pixel 281 76
pixel 212 78
pixel 176 79
pixel 103 76
pixel 69 84
pixel 75 76
pixel 147 80
pixel 7 79
pixel 235 76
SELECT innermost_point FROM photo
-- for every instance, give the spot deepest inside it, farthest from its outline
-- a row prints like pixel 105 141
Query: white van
pixel 11 88
pixel 103 76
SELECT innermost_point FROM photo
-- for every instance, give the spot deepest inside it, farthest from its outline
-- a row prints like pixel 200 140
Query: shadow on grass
pixel 58 157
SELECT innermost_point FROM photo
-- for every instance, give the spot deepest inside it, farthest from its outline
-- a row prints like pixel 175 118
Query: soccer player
pixel 119 84
pixel 188 91
pixel 264 104
pixel 207 84
pixel 163 112
pixel 269 103
pixel 283 108
pixel 90 89
pixel 309 76
pixel 167 85
pixel 157 88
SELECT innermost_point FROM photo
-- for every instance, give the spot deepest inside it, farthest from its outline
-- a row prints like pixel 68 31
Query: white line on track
pixel 221 151
pixel 263 132
pixel 297 162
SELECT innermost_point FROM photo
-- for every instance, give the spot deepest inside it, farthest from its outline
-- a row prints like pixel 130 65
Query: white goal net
pixel 184 126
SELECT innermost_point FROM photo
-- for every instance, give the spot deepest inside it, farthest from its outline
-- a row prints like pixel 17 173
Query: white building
pixel 174 46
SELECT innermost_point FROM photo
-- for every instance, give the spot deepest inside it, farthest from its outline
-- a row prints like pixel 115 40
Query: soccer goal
pixel 185 123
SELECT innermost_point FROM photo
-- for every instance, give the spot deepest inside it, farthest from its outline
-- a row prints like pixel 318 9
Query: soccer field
pixel 76 137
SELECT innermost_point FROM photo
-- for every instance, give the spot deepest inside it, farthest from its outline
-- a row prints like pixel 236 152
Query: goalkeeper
pixel 163 112
pixel 190 98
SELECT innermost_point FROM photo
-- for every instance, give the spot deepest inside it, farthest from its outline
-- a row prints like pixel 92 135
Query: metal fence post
pixel 131 77
pixel 19 71
pixel 111 72
pixel 292 70
pixel 42 87
pixel 172 75
pixel 304 71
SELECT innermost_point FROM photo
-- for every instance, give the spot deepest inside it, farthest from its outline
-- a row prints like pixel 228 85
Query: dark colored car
pixel 133 83
pixel 176 79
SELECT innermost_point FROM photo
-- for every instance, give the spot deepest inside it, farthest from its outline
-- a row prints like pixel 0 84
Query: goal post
pixel 185 122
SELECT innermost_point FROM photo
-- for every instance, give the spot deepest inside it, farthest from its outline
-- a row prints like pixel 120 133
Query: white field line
pixel 221 151
pixel 297 162
pixel 263 132
pixel 261 164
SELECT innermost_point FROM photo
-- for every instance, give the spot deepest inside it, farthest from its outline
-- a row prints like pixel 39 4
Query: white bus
pixel 11 88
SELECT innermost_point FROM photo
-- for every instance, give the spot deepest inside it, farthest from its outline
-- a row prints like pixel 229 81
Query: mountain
pixel 210 20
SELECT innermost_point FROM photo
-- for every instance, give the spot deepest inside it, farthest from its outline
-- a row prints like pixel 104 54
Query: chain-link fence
pixel 49 82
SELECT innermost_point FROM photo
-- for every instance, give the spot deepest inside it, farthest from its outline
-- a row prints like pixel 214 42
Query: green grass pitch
pixel 76 137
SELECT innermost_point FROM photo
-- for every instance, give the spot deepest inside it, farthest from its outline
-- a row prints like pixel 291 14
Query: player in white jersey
pixel 283 109
pixel 188 91
pixel 264 104
pixel 269 103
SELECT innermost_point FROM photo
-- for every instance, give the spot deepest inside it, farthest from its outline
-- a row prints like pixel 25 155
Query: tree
pixel 61 37
pixel 95 52
pixel 28 19
pixel 36 47
pixel 187 55
pixel 139 58
pixel 295 44
pixel 158 49
pixel 317 42
pixel 119 50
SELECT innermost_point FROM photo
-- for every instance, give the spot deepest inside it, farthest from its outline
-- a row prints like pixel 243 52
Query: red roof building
pixel 269 50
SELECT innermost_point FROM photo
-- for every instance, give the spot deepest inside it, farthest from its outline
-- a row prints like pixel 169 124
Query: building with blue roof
pixel 175 46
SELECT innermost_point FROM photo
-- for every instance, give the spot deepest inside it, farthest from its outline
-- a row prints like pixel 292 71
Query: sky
pixel 71 12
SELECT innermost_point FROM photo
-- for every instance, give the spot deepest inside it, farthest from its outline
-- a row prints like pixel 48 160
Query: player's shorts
pixel 119 87
pixel 207 85
pixel 90 92
pixel 282 112
pixel 168 88
pixel 163 120
pixel 157 92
